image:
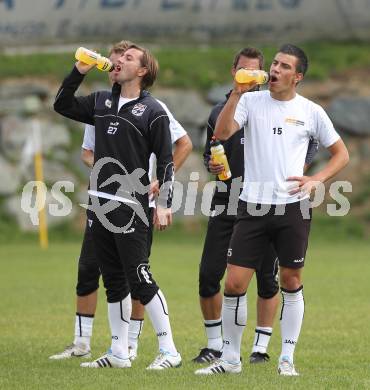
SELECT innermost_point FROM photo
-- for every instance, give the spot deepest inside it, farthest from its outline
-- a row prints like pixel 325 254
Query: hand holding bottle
pixel 219 158
pixel 244 75
pixel 247 79
pixel 214 167
pixel 240 88
pixel 84 68
pixel 88 59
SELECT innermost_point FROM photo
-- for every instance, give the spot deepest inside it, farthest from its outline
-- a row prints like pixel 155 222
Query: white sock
pixel 234 319
pixel 83 329
pixel 214 334
pixel 262 337
pixel 158 314
pixel 291 318
pixel 134 332
pixel 119 319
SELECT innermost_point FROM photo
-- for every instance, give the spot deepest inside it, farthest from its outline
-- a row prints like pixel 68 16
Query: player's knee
pixel 116 295
pixel 291 284
pixel 209 290
pixel 144 293
pixel 88 280
pixel 143 286
pixel 234 286
pixel 268 293
pixel 290 279
pixel 116 286
pixel 267 286
pixel 83 289
pixel 208 285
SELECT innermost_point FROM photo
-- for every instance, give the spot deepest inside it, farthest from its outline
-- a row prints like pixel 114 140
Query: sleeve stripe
pixel 131 125
pixel 160 116
pixel 126 120
pixel 210 126
pixel 60 92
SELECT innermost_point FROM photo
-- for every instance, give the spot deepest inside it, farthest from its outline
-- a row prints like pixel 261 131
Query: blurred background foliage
pixel 198 67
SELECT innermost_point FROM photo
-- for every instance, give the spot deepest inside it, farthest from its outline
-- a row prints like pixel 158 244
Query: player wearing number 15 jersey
pixel 274 203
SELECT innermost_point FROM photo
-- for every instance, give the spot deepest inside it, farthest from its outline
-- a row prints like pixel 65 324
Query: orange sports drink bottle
pixel 89 57
pixel 218 156
pixel 243 76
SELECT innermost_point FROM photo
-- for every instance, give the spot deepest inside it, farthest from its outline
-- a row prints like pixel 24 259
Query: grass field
pixel 198 67
pixel 37 320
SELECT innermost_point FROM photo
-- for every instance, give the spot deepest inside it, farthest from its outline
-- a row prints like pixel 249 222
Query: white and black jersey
pixel 234 150
pixel 277 135
pixel 128 134
pixel 177 132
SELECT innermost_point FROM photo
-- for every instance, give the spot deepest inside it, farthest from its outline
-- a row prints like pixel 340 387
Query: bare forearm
pixel 87 156
pixel 339 159
pixel 182 150
pixel 226 125
pixel 337 162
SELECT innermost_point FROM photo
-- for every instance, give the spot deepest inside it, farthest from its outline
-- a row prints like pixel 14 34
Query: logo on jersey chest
pixel 293 121
pixel 138 109
pixel 108 103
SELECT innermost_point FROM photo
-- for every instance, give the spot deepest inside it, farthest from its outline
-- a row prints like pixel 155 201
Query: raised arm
pixel 81 108
pixel 226 125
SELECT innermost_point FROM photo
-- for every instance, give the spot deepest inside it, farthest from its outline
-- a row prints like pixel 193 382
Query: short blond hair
pixel 120 47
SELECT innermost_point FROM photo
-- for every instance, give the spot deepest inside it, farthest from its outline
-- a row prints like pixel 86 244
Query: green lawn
pixel 197 67
pixel 37 320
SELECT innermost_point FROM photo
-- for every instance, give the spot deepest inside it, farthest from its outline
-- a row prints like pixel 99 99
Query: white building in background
pixel 25 22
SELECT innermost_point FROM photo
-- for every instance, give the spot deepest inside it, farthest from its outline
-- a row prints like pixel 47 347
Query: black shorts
pixel 88 264
pixel 214 257
pixel 287 231
pixel 123 257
